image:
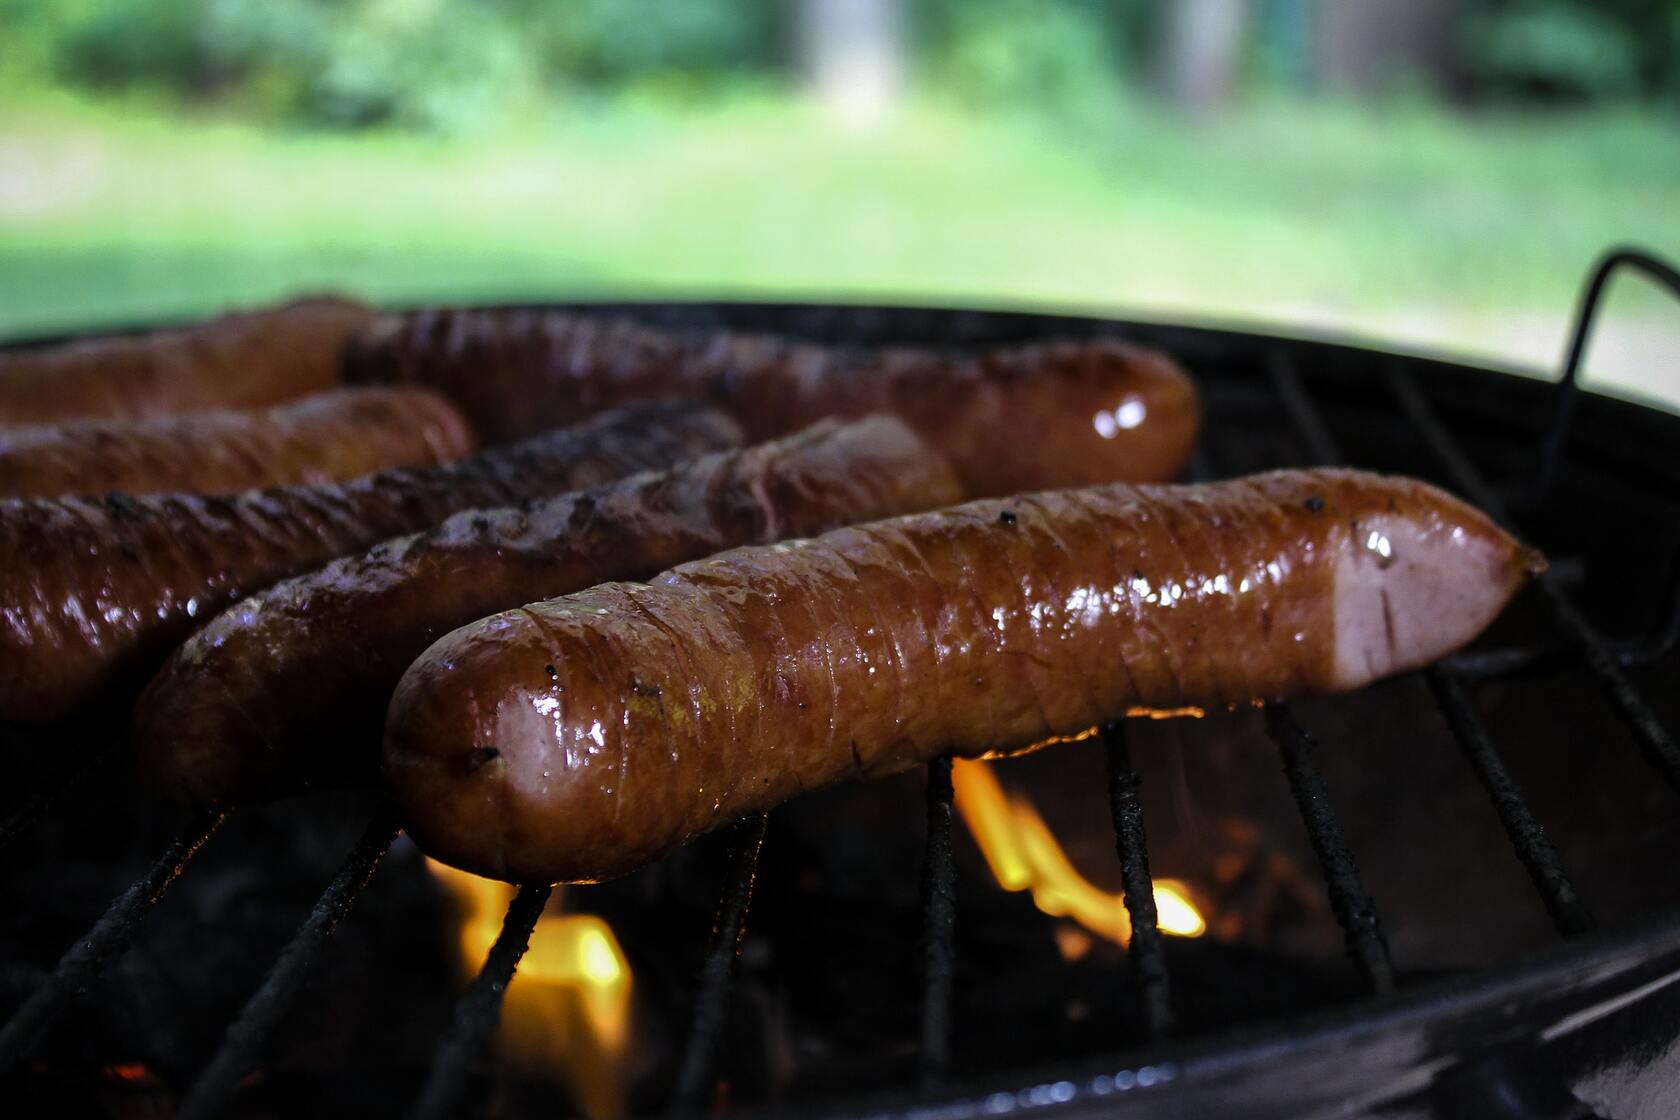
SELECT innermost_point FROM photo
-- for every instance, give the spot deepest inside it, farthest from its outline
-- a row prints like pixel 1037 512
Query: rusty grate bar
pixel 1147 950
pixel 109 936
pixel 1349 900
pixel 1545 867
pixel 480 1008
pixel 248 1033
pixel 717 972
pixel 939 925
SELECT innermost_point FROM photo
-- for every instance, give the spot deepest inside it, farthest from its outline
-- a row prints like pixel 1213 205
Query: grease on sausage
pixel 1008 418
pixel 328 437
pixel 728 685
pixel 243 360
pixel 97 592
pixel 288 688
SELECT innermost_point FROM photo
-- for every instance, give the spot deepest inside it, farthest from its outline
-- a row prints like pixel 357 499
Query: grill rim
pixel 1470 1002
pixel 1646 944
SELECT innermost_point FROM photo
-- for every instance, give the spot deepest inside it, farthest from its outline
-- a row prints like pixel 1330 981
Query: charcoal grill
pixel 1521 1038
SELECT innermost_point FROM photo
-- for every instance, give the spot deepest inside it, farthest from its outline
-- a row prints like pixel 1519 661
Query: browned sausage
pixel 329 437
pixel 97 592
pixel 580 737
pixel 1029 417
pixel 244 360
pixel 288 689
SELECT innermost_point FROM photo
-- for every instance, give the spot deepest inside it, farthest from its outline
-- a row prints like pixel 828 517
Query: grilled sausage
pixel 329 437
pixel 578 738
pixel 288 689
pixel 1067 413
pixel 244 360
pixel 97 592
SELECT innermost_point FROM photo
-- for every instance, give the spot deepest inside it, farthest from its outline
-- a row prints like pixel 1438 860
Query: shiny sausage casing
pixel 1008 418
pixel 245 360
pixel 95 593
pixel 328 437
pixel 580 737
pixel 288 688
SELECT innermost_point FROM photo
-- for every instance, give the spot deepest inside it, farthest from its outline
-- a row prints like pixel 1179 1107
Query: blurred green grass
pixel 1468 233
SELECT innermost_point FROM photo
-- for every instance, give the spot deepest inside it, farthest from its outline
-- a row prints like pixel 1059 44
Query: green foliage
pixel 456 66
pixel 1000 53
pixel 1062 56
pixel 30 33
pixel 1553 48
pixel 430 65
pixel 132 42
pixel 605 43
pixel 433 65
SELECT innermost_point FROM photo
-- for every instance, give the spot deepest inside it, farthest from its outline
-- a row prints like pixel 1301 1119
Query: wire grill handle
pixel 1568 392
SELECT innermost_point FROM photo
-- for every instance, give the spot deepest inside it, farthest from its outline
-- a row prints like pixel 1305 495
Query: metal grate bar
pixel 717 972
pixel 1147 950
pixel 1200 467
pixel 1658 746
pixel 1349 900
pixel 480 1008
pixel 1495 664
pixel 1586 314
pixel 1662 637
pixel 77 760
pixel 1569 913
pixel 1302 412
pixel 1533 849
pixel 939 925
pixel 109 936
pixel 256 1022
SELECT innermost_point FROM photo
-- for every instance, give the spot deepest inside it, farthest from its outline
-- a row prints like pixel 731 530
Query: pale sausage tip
pixel 1414 584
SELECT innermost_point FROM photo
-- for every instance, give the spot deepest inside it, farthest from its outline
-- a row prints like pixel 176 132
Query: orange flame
pixel 1023 854
pixel 566 1013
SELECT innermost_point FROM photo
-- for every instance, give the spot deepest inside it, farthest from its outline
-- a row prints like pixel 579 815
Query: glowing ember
pixel 1024 855
pixel 132 1073
pixel 566 1013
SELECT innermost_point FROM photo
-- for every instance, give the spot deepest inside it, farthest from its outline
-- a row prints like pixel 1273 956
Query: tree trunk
pixel 852 53
pixel 1369 45
pixel 1202 50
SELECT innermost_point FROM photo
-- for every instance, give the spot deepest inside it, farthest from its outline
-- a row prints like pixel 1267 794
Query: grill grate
pixel 728 933
pixel 1350 901
pixel 478 1010
pixel 939 925
pixel 78 759
pixel 1544 866
pixel 247 1034
pixel 1148 950
pixel 1659 746
pixel 109 936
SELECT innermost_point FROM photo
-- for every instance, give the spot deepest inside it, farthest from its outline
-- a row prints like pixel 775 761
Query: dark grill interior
pixel 893 968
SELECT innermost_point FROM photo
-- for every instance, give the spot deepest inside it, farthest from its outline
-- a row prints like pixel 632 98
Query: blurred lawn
pixel 1402 223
